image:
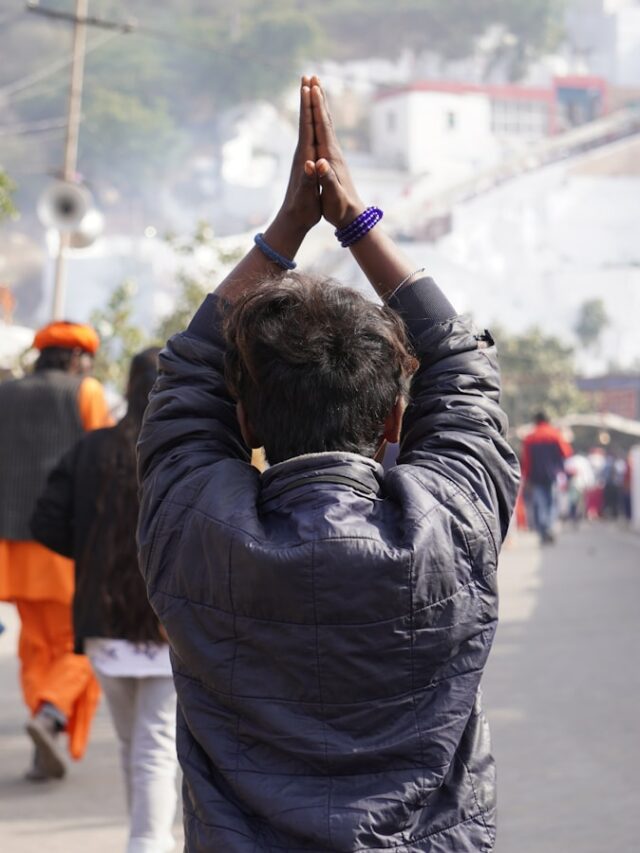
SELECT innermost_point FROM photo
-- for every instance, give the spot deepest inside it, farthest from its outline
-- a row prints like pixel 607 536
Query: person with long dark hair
pixel 89 511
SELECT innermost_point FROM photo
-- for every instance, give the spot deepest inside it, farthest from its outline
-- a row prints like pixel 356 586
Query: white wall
pixel 390 131
pixel 423 131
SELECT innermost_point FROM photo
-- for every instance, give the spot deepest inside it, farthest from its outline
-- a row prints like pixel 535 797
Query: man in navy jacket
pixel 329 622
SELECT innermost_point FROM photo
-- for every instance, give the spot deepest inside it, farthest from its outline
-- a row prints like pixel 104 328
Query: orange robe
pixel 41 583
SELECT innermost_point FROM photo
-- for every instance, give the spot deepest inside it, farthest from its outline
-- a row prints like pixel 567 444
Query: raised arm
pixel 384 265
pixel 454 429
pixel 299 212
pixel 191 420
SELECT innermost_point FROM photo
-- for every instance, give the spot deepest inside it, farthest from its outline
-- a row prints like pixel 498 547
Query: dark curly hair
pixel 317 366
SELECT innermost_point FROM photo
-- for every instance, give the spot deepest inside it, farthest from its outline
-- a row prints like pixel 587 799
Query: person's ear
pixel 393 422
pixel 392 428
pixel 248 433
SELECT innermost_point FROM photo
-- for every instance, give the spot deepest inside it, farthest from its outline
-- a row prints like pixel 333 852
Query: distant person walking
pixel 41 416
pixel 89 512
pixel 543 453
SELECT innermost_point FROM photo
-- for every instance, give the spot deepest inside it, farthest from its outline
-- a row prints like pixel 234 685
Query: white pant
pixel 143 711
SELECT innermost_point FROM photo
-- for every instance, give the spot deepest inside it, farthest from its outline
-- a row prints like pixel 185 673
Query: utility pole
pixel 81 20
pixel 71 145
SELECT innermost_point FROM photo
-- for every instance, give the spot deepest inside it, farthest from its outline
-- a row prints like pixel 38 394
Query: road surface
pixel 562 692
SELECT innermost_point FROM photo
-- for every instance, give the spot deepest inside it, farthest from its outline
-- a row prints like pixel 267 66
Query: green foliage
pixel 205 257
pixel 591 322
pixel 449 28
pixel 227 57
pixel 150 92
pixel 121 338
pixel 191 293
pixel 7 188
pixel 538 372
pixel 126 139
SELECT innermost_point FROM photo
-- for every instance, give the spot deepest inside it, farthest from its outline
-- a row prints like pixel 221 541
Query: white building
pixel 418 126
pixel 429 125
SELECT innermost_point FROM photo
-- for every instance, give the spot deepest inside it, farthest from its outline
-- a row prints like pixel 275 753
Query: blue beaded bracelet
pixel 360 226
pixel 274 256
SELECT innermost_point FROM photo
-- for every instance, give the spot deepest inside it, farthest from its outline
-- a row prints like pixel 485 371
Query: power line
pixel 53 68
pixel 28 128
pixel 15 91
pixel 89 20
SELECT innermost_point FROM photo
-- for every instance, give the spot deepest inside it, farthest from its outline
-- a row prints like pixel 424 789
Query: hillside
pixel 153 95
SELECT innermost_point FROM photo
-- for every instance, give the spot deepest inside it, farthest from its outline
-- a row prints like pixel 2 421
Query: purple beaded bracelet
pixel 360 226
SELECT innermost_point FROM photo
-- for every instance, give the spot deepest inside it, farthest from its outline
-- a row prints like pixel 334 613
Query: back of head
pixel 54 358
pixel 62 343
pixel 316 366
pixel 540 418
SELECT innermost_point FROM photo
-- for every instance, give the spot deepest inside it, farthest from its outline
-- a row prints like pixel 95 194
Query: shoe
pixel 44 732
pixel 37 772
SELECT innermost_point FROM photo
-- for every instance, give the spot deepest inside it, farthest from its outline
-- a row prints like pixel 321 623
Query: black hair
pixel 317 366
pixel 127 611
pixel 540 418
pixel 54 358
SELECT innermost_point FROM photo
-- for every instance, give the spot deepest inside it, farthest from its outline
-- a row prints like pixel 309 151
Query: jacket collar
pixel 349 469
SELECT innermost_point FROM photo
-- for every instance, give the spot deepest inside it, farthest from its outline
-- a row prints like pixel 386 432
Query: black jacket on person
pixel 329 623
pixel 63 521
pixel 39 421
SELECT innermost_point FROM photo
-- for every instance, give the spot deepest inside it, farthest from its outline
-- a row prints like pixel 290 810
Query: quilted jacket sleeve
pixel 454 426
pixel 191 419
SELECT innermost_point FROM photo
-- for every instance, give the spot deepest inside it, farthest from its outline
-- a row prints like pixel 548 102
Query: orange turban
pixel 67 335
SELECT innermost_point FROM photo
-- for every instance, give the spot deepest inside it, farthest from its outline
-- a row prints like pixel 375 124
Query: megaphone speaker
pixel 64 205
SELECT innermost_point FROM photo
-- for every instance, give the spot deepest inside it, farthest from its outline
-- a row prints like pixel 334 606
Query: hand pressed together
pixel 339 198
pixel 302 198
pixel 320 183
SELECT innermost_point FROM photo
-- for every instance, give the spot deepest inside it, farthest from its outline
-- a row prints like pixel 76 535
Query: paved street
pixel 562 693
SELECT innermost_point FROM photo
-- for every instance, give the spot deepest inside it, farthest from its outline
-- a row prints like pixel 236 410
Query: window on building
pixel 392 121
pixel 452 120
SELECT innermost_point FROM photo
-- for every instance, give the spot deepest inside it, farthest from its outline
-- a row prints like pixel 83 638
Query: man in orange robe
pixel 41 417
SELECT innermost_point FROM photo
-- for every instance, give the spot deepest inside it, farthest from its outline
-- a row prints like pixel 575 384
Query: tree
pixel 204 257
pixel 591 322
pixel 537 373
pixel 449 28
pixel 7 188
pixel 153 94
pixel 121 338
pixel 127 139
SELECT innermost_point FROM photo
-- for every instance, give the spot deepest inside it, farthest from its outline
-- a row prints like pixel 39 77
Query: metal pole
pixel 71 143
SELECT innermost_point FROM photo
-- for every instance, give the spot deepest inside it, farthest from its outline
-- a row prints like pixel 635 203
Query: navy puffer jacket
pixel 329 623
